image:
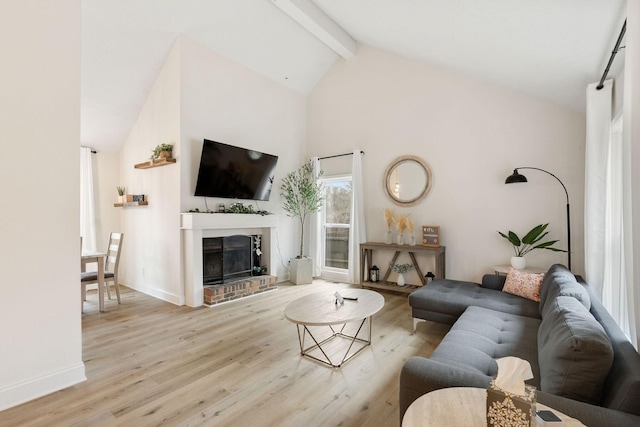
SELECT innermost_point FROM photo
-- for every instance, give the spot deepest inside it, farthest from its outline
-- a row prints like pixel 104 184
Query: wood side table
pixel 461 407
pixel 504 269
pixel 366 262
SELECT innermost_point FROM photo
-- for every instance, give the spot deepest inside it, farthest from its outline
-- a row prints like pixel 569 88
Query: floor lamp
pixel 516 178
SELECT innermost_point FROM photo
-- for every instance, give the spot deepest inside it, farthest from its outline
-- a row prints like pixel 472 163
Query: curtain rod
pixel 613 55
pixel 338 155
pixel 93 151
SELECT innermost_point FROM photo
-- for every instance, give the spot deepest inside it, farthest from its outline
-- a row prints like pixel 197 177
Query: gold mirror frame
pixel 389 185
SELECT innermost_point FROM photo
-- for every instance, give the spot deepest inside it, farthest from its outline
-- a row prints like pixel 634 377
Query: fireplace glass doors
pixel 226 259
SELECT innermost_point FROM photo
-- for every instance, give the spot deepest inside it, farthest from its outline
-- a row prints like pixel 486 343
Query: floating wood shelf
pixel 155 163
pixel 128 204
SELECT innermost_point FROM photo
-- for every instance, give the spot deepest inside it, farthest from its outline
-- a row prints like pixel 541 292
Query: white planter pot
pixel 401 281
pixel 518 262
pixel 300 271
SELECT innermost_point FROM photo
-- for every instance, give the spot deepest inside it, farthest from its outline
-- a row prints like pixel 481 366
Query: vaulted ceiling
pixel 543 48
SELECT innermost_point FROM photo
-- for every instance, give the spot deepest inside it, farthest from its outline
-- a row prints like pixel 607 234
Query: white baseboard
pixel 157 293
pixel 33 388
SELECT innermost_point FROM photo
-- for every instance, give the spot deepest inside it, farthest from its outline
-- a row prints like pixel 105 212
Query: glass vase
pixel 400 239
pixel 387 239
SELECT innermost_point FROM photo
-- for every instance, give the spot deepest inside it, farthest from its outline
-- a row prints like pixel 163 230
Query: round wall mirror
pixel 407 180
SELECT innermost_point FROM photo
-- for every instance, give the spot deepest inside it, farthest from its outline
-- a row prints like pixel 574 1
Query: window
pixel 335 223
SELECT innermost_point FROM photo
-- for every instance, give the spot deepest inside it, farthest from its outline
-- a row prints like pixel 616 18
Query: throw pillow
pixel 526 285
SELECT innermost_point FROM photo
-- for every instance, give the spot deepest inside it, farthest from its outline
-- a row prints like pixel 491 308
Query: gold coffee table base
pixel 335 335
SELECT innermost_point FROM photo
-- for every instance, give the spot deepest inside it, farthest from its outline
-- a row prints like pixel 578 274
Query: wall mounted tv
pixel 235 173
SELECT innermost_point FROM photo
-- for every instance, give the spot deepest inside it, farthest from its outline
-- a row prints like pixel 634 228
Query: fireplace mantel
pixel 196 226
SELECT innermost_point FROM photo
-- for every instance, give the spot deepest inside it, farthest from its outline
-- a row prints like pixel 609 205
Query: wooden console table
pixel 366 261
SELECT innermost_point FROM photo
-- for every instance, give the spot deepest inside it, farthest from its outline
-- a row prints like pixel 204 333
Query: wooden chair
pixel 111 262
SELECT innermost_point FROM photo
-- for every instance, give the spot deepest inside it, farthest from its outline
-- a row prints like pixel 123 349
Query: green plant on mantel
pixel 529 242
pixel 160 148
pixel 121 190
pixel 401 268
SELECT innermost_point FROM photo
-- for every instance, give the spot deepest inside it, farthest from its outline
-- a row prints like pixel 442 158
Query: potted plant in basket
pixel 401 269
pixel 121 191
pixel 302 196
pixel 162 151
pixel 529 242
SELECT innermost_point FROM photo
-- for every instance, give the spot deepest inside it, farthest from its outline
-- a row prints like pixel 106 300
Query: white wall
pixel 106 172
pixel 473 135
pixel 150 260
pixel 39 256
pixel 200 94
pixel 226 102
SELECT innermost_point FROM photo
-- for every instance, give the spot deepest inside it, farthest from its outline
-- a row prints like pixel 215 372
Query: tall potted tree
pixel 302 196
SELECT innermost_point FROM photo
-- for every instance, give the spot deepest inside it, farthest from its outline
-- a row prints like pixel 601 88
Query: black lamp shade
pixel 516 177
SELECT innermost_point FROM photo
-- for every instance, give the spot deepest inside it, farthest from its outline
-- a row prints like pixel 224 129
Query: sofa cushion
pixel 574 352
pixel 523 284
pixel 452 297
pixel 482 335
pixel 493 281
pixel 559 281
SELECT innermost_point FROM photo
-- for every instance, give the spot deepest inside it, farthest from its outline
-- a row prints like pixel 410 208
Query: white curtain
pixel 616 291
pixel 357 230
pixel 315 235
pixel 596 165
pixel 607 175
pixel 631 188
pixel 87 202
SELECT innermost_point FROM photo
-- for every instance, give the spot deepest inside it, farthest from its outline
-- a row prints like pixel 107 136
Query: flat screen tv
pixel 231 172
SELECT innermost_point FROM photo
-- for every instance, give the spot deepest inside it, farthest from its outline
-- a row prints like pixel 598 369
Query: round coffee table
pixel 461 407
pixel 323 309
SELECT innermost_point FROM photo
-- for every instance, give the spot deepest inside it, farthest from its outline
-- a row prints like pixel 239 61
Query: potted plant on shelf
pixel 121 191
pixel 529 242
pixel 162 151
pixel 302 196
pixel 401 269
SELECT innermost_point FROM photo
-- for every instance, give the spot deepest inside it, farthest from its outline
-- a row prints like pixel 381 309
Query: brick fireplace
pixel 199 226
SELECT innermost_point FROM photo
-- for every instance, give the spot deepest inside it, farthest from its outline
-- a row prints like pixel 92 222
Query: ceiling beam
pixel 314 20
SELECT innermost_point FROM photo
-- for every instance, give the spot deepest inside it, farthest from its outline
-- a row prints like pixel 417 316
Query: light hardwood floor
pixel 151 363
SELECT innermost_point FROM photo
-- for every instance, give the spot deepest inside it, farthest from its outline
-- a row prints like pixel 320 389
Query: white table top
pixel 505 269
pixel 461 407
pixel 320 309
pixel 92 254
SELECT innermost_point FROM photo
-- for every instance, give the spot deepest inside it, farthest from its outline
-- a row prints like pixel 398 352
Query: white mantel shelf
pixel 190 221
pixel 198 225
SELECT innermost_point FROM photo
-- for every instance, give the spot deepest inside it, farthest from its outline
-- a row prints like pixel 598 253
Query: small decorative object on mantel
pixel 431 236
pixel 529 242
pixel 401 269
pixel 162 151
pixel 389 219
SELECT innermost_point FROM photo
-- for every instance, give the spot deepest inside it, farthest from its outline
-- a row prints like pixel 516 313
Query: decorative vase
pixel 518 262
pixel 412 240
pixel 120 199
pixel 400 239
pixel 388 240
pixel 401 281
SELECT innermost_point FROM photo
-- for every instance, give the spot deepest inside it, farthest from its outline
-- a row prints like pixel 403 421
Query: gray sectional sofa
pixel 583 364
